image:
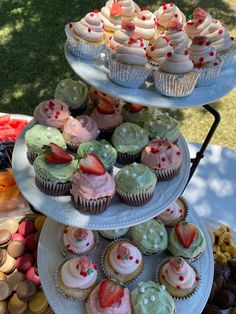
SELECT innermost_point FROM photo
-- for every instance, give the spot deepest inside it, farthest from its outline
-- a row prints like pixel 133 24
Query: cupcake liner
pixel 110 53
pixel 31 156
pixel 175 85
pixel 77 111
pixel 106 133
pixel 73 147
pixel 210 73
pixel 91 206
pixel 227 56
pixel 131 76
pixel 164 261
pixel 168 174
pixel 52 188
pixel 138 199
pixel 127 158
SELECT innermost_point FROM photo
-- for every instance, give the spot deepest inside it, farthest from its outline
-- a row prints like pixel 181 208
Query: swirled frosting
pixel 107 121
pixel 110 23
pixel 179 274
pixel 79 273
pixel 129 137
pixel 77 240
pixel 114 233
pixel 219 36
pixel 121 36
pixel 167 12
pixel 90 186
pixel 95 95
pixel 125 258
pixel 135 178
pixel 201 51
pixel 159 49
pixel 79 130
pixel 160 154
pixel 141 116
pixel 200 23
pixel 128 8
pixel 172 213
pixel 89 28
pixel 132 52
pixel 176 34
pixel 53 113
pixel 150 298
pixel 145 24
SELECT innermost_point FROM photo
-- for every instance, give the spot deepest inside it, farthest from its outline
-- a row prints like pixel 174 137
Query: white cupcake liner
pixel 175 85
pixel 210 73
pixel 131 76
pixel 110 53
pixel 91 206
pixel 138 199
pixel 164 261
pixel 227 56
pixel 52 188
pixel 168 174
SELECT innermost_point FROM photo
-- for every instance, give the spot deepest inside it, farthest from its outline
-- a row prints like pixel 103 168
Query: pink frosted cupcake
pixel 200 23
pixel 111 16
pixel 79 130
pixel 158 50
pixel 163 157
pixel 167 12
pixel 145 25
pixel 53 113
pixel 176 34
pixel 92 187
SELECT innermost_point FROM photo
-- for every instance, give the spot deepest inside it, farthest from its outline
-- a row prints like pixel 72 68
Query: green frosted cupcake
pixel 135 184
pixel 73 93
pixel 129 139
pixel 40 135
pixel 150 237
pixel 114 234
pixel 150 298
pixel 102 149
pixel 162 127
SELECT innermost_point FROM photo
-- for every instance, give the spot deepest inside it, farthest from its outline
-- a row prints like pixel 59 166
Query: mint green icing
pixel 40 135
pixel 163 127
pixel 139 117
pixel 129 138
pixel 73 93
pixel 135 178
pixel 114 234
pixel 198 245
pixel 102 149
pixel 150 237
pixel 58 173
pixel 150 298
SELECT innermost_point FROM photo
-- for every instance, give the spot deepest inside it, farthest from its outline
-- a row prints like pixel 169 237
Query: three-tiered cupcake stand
pixel 120 215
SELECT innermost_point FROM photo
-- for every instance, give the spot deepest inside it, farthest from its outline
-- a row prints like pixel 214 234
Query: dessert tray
pixel 115 217
pixel 96 74
pixel 50 257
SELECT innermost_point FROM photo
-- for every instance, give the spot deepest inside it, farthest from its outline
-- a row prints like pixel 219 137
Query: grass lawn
pixel 32 59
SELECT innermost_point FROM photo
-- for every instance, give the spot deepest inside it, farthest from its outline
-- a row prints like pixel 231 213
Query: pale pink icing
pixel 129 8
pixel 166 155
pixel 200 23
pixel 80 130
pixel 53 113
pixel 107 121
pixel 91 186
pixel 132 52
pixel 167 12
pixel 219 36
pixel 145 24
pixel 125 258
pixel 176 34
pixel 202 51
pixel 95 95
pixel 159 49
pixel 73 273
pixel 180 276
pixel 110 24
pixel 77 240
pixel 119 38
pixel 121 307
pixel 173 212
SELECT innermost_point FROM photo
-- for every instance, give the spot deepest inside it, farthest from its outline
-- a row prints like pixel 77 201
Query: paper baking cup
pixel 174 297
pixel 126 158
pixel 110 53
pixel 31 156
pixel 92 207
pixel 106 133
pixel 175 85
pixel 168 174
pixel 52 188
pixel 73 147
pixel 131 76
pixel 210 73
pixel 138 199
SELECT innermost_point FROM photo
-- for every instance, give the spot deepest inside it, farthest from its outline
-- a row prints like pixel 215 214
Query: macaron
pixel 32 274
pixel 31 242
pixel 5 290
pixel 5 238
pixel 10 225
pixel 39 303
pixel 7 263
pixel 3 277
pixel 39 222
pixel 16 306
pixel 3 307
pixel 24 262
pixel 26 227
pixel 14 279
pixel 16 248
pixel 17 237
pixel 26 290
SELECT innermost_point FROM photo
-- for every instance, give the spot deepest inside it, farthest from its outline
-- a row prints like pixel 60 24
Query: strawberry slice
pixel 105 107
pixel 185 233
pixel 92 164
pixel 54 154
pixel 109 293
pixel 136 108
pixel 4 119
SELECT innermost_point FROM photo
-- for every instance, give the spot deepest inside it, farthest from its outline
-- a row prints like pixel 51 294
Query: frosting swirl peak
pixel 132 52
pixel 89 28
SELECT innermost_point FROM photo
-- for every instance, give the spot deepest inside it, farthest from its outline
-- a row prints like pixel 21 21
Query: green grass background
pixel 32 59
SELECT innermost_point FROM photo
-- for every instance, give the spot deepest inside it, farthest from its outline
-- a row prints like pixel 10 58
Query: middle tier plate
pixel 118 215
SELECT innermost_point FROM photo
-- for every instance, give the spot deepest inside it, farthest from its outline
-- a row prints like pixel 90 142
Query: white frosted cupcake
pixel 145 25
pixel 200 23
pixel 167 12
pixel 176 34
pixel 158 50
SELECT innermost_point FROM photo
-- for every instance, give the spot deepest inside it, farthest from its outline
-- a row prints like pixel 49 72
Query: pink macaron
pixel 31 242
pixel 18 237
pixel 24 262
pixel 26 227
pixel 32 275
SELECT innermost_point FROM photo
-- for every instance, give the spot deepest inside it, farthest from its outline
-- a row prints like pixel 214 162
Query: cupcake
pixel 111 18
pixel 95 95
pixel 92 187
pixel 175 75
pixel 54 170
pixel 163 157
pixel 76 277
pixel 129 139
pixel 176 34
pixel 109 297
pixel 145 25
pixel 167 12
pixel 158 50
pixel 86 38
pixel 150 237
pixel 40 135
pixel 149 297
pixel 106 153
pixel 176 212
pixel 129 8
pixel 79 130
pixel 73 93
pixel 135 184
pixel 77 241
pixel 203 56
pixel 129 67
pixel 164 127
pixel 53 113
pixel 122 261
pixel 200 23
pixel 113 234
pixel 179 278
pixel 187 240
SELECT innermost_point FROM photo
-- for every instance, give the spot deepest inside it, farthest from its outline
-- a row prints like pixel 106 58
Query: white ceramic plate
pixel 49 258
pixel 96 74
pixel 62 210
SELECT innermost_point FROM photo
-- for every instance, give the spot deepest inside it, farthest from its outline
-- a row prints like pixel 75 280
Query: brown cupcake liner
pixel 138 199
pixel 52 188
pixel 91 206
pixel 106 133
pixel 72 147
pixel 210 73
pixel 126 158
pixel 168 174
pixel 31 156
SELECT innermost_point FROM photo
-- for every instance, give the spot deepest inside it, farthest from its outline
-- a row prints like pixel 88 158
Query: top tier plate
pixel 96 74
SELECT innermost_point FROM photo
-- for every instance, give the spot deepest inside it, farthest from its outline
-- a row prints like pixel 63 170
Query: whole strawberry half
pixel 185 232
pixel 54 154
pixel 109 293
pixel 105 107
pixel 136 108
pixel 91 164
